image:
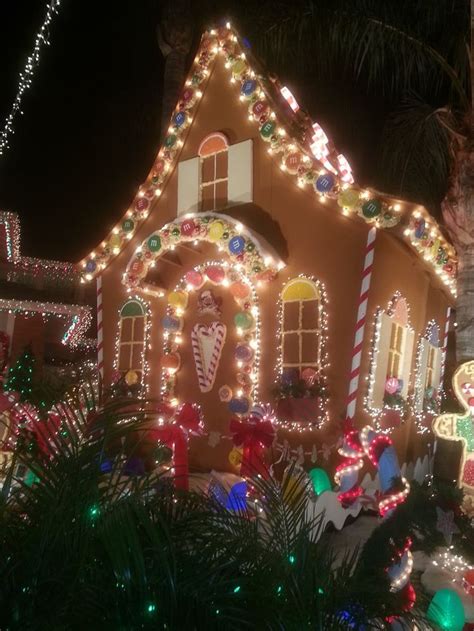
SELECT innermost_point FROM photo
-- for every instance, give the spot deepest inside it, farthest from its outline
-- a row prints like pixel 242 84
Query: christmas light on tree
pixel 20 375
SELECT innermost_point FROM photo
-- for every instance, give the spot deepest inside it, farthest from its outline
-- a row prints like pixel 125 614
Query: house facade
pixel 251 268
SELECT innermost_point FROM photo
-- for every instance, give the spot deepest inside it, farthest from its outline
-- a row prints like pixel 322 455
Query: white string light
pixel 26 76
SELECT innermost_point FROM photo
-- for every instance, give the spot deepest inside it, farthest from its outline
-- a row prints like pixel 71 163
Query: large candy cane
pixel 361 320
pixel 100 330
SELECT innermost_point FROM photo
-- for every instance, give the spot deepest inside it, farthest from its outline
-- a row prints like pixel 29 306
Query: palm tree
pixel 414 52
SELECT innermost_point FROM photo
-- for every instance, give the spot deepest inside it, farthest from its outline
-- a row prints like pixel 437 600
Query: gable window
pixel 429 362
pixel 213 155
pixel 392 356
pixel 131 342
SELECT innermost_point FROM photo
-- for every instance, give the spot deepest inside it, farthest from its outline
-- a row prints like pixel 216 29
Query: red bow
pixel 254 434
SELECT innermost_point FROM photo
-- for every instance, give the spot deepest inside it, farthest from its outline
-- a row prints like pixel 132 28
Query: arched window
pixel 300 327
pixel 131 343
pixel 392 355
pixel 213 155
pixel 429 362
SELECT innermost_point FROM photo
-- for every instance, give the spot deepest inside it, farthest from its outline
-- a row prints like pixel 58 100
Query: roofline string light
pixel 332 182
pixel 26 75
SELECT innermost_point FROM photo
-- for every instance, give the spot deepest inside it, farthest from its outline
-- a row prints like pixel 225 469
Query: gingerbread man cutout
pixel 461 426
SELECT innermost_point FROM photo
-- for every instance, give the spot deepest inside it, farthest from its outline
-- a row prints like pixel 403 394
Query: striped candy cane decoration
pixel 100 330
pixel 361 319
pixel 445 347
pixel 207 342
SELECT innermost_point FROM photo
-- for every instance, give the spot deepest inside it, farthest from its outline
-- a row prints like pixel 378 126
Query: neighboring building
pixel 249 264
pixel 42 303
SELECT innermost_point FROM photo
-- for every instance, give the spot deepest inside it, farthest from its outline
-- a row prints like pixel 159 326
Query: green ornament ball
pixel 446 611
pixel 225 235
pixel 250 246
pixel 256 269
pixel 175 232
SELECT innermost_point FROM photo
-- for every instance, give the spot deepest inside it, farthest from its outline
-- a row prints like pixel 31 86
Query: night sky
pixel 90 127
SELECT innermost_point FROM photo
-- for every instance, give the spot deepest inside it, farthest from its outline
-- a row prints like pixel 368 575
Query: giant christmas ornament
pixel 460 427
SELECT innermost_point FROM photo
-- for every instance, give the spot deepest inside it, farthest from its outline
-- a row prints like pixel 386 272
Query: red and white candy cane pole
pixel 361 320
pixel 100 330
pixel 445 346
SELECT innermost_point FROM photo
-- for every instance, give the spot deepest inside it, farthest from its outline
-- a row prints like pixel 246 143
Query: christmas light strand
pixel 26 75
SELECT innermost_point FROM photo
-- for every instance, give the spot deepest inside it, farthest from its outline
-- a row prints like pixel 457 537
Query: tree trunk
pixel 458 213
pixel 175 35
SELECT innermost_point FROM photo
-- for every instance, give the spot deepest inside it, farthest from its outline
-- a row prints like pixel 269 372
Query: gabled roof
pixel 305 153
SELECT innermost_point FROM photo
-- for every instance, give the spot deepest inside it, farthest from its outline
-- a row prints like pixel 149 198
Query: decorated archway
pixel 207 334
pixel 248 252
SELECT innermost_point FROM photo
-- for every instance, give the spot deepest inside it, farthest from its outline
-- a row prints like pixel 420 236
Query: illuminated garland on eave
pixel 26 76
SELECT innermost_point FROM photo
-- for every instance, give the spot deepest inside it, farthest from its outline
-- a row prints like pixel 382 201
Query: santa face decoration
pixel 209 304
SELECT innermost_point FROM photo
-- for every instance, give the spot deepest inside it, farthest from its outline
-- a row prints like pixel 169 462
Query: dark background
pixel 90 127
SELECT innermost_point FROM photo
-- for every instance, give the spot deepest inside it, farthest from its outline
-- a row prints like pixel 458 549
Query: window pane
pixel 310 315
pixel 137 356
pixel 126 330
pixel 221 194
pixel 124 357
pixel 291 316
pixel 309 348
pixel 139 330
pixel 221 165
pixel 393 336
pixel 207 198
pixel 291 353
pixel 208 169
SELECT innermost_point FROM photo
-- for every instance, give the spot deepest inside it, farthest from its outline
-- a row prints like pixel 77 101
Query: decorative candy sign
pixel 237 245
pixel 325 183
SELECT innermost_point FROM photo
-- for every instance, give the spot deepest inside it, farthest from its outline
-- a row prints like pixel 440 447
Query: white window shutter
pixel 420 392
pixel 188 186
pixel 407 360
pixel 380 375
pixel 240 184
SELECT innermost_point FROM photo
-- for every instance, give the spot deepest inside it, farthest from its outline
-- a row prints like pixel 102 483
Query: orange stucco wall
pixel 312 239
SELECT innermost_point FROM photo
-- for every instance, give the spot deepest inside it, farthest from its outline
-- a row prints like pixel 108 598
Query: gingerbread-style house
pixel 251 268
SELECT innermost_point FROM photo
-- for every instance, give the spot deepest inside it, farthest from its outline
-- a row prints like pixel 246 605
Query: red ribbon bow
pixel 254 434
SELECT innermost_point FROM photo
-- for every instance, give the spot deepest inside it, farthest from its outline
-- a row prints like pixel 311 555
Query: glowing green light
pixel 446 611
pixel 320 591
pixel 237 589
pixel 320 481
pixel 279 589
pixel 94 511
pixel 292 559
pixel 218 612
pixel 151 607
